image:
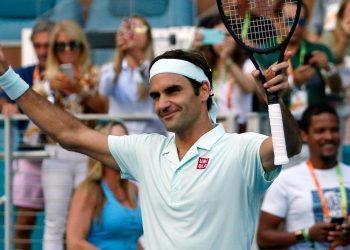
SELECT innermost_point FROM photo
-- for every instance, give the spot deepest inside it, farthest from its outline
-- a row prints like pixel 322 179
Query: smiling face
pixel 176 103
pixel 323 137
pixel 41 42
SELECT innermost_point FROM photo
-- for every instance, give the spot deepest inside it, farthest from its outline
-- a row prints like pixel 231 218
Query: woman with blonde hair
pixel 339 39
pixel 125 81
pixel 339 43
pixel 72 85
pixel 72 79
pixel 104 212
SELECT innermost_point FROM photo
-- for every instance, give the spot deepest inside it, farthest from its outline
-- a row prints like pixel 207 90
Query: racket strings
pixel 260 24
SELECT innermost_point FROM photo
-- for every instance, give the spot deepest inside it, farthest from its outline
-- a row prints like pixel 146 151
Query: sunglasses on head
pixel 72 45
pixel 290 20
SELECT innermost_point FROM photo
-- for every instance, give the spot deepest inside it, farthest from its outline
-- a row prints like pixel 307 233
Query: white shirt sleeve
pixel 256 177
pixel 276 201
pixel 135 153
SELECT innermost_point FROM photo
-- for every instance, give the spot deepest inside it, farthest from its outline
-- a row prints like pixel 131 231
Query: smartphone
pixel 128 27
pixel 307 58
pixel 67 69
pixel 338 220
pixel 212 36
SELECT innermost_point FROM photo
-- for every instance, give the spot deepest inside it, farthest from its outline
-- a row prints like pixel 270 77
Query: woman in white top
pixel 125 81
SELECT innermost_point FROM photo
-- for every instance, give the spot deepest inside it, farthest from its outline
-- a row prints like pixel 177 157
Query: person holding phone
pixel 232 81
pixel 310 198
pixel 72 82
pixel 125 80
pixel 311 69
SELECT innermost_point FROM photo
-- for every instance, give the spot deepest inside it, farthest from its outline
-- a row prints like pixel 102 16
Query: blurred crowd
pixel 319 73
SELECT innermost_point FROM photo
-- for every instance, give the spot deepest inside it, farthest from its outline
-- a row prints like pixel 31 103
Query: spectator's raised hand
pixel 319 59
pixel 197 40
pixel 302 74
pixel 64 84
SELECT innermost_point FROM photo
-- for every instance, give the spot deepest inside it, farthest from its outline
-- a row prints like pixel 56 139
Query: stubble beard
pixel 329 158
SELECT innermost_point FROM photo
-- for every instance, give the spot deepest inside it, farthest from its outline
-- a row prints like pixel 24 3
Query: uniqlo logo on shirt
pixel 202 163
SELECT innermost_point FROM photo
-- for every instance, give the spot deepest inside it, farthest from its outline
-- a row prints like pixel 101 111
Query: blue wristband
pixel 13 85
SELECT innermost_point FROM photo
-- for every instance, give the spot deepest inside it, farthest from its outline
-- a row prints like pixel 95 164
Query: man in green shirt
pixel 311 68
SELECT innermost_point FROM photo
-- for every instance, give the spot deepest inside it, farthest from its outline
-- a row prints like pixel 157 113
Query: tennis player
pixel 201 187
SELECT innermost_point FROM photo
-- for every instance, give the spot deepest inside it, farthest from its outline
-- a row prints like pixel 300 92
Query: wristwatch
pixel 299 235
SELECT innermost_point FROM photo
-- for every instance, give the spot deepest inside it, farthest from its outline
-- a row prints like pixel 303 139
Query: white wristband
pixel 13 85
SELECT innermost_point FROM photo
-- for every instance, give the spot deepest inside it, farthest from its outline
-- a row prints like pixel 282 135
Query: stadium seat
pixel 106 15
pixel 18 14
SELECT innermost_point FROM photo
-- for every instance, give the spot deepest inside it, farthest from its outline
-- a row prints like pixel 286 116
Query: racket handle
pixel 277 132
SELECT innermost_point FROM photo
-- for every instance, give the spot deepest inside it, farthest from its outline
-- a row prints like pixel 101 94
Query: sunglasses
pixel 290 20
pixel 72 45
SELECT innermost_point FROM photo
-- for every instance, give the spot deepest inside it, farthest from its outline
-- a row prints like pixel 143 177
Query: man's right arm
pixel 270 236
pixel 56 123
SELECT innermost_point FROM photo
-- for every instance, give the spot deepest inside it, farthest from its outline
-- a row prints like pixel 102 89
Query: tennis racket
pixel 263 27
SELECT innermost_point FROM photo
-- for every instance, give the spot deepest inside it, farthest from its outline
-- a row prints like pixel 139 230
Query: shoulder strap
pixel 106 191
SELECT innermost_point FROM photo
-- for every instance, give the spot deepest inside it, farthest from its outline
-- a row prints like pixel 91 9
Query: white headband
pixel 180 67
pixel 187 69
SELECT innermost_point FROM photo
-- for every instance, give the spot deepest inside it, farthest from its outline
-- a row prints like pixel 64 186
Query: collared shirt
pixel 209 199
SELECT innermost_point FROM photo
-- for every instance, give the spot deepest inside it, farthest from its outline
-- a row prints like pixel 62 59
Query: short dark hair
pixel 42 25
pixel 195 58
pixel 313 110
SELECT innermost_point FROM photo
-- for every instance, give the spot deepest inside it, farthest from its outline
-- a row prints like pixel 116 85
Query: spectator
pixel 27 189
pixel 104 212
pixel 338 39
pixel 198 183
pixel 323 19
pixel 125 81
pixel 306 197
pixel 232 81
pixel 311 68
pixel 75 93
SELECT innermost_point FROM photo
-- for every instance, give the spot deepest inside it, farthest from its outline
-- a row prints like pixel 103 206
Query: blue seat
pixel 106 15
pixel 18 14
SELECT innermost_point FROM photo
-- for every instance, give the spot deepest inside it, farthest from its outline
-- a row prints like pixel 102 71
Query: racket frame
pixel 274 108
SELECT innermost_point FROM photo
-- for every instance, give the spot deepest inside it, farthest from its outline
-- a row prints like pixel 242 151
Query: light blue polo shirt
pixel 208 200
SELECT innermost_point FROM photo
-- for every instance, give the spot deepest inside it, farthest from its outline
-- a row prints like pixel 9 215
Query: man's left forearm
pixel 291 131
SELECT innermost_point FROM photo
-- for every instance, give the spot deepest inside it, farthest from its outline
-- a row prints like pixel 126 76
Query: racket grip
pixel 277 132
